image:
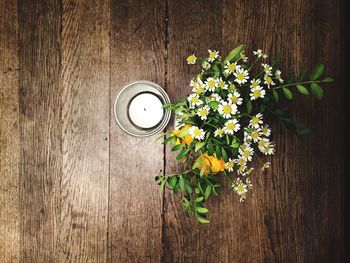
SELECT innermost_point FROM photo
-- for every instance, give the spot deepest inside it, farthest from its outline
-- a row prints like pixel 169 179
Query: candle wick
pixel 144 109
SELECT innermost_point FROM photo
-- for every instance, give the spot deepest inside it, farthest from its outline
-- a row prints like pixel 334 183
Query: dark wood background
pixel 75 188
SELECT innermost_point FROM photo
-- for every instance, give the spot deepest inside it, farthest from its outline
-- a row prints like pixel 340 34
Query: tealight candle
pixel 146 110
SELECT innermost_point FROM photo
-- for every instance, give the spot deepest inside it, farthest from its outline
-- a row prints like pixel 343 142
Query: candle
pixel 146 110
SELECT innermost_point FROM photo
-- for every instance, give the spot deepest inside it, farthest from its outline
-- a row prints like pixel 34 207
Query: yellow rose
pixel 187 139
pixel 211 163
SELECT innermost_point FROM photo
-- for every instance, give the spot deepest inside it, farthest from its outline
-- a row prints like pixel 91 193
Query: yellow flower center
pixel 199 90
pixel 221 84
pixel 191 59
pixel 232 86
pixel 231 67
pixel 194 100
pixel 197 132
pixel 262 143
pixel 241 162
pixel 255 121
pixel 257 93
pixel 240 76
pixel 212 54
pixel 246 153
pixel 240 188
pixel 255 135
pixel 231 126
pixel 234 99
pixel 219 132
pixel 227 109
pixel 264 130
pixel 203 112
pixel 230 165
pixel 211 83
pixel 268 80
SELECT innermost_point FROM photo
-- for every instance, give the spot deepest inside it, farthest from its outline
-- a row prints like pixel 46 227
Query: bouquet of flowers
pixel 222 124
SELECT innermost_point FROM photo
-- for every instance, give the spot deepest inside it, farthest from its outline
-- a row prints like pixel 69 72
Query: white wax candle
pixel 146 110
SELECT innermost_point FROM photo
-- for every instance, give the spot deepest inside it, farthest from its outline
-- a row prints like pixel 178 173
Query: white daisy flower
pixel 259 53
pixel 265 166
pixel 246 152
pixel 267 69
pixel 268 81
pixel 266 131
pixel 254 83
pixel 213 54
pixel 203 112
pixel 257 92
pixel 255 135
pixel 206 65
pixel 211 84
pixel 231 126
pixel 219 133
pixel 230 68
pixel 241 76
pixel 194 100
pixel 267 149
pixel 243 57
pixel 256 121
pixel 222 84
pixel 235 98
pixel 196 133
pixel 198 86
pixel 215 97
pixel 191 59
pixel 240 161
pixel 278 76
pixel 229 165
pixel 227 109
pixel 239 187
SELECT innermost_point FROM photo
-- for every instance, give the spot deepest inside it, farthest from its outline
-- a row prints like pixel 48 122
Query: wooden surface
pixel 75 188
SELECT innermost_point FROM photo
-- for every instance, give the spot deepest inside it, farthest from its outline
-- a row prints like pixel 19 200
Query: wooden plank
pixel 296 203
pixel 9 133
pixel 40 128
pixel 85 130
pixel 195 28
pixel 137 52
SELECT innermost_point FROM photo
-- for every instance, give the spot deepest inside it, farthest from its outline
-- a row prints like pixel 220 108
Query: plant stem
pixel 297 83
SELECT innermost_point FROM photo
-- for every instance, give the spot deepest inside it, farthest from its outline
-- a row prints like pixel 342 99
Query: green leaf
pixel 199 199
pixel 171 138
pixel 188 187
pixel 302 75
pixel 302 90
pixel 185 202
pixel 218 152
pixel 318 72
pixel 203 170
pixel 172 181
pixel 235 145
pixel 287 93
pixel 178 147
pixel 249 107
pixel 183 133
pixel 316 90
pixel 328 80
pixel 202 210
pixel 275 95
pixel 234 54
pixel 210 149
pixel 207 192
pixel 214 104
pixel 182 183
pixel 199 146
pixel 202 220
pixel 182 154
pixel 301 129
pixel 197 163
pixel 216 70
pixel 224 154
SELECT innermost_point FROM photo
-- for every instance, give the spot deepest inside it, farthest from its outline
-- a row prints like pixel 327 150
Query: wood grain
pixel 137 52
pixel 75 188
pixel 285 219
pixel 85 131
pixel 9 133
pixel 40 128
